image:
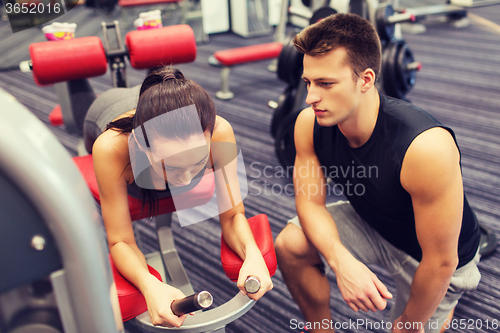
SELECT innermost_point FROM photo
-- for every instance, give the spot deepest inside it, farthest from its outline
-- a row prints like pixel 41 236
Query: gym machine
pixel 56 275
pixel 53 63
pixel 55 272
pixel 74 92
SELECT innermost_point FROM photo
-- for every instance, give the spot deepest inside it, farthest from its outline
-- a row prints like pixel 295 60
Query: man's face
pixel 332 92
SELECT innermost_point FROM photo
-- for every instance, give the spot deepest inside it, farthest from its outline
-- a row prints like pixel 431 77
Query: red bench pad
pixel 132 302
pixel 130 3
pixel 251 53
pixel 169 45
pixel 56 117
pixel 73 59
pixel 199 195
pixel 261 230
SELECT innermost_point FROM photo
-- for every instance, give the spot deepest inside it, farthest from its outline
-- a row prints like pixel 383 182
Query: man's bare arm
pixel 431 174
pixel 360 288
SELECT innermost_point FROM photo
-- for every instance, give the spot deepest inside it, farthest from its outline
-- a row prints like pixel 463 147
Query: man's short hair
pixel 350 31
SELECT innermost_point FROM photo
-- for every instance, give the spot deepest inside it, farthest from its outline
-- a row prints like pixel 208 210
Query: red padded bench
pixel 241 55
pixel 132 302
pixel 53 63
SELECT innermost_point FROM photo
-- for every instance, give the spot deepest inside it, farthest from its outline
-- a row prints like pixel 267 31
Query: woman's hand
pixel 159 297
pixel 255 265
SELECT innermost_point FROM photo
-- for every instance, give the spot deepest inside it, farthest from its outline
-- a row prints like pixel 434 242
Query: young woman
pixel 118 127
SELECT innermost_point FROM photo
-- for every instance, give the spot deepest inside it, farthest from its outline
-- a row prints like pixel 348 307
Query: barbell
pixel 386 19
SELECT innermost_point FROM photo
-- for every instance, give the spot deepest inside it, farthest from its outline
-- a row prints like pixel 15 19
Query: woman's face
pixel 178 161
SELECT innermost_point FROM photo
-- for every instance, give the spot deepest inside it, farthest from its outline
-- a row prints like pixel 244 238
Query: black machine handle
pixel 195 302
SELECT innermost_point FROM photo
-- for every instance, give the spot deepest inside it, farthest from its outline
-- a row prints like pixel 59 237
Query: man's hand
pixel 399 323
pixel 360 288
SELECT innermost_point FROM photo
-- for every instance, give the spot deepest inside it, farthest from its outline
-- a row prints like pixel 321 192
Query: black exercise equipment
pixel 289 71
pixel 115 54
pixel 199 301
pixel 284 143
pixel 399 69
pixel 360 7
pixel 321 13
pixel 290 62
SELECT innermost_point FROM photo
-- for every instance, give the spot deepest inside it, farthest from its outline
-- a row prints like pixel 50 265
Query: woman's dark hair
pixel 350 31
pixel 166 89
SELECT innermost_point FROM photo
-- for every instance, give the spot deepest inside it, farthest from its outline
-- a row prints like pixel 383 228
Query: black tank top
pixel 370 176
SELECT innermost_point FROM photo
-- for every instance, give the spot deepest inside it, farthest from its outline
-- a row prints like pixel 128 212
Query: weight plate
pixel 385 30
pixel 397 79
pixel 389 71
pixel 321 13
pixel 290 62
pixel 406 78
pixel 284 144
pixel 285 105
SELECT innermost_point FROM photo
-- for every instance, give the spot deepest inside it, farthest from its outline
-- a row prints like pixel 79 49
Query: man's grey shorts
pixel 369 247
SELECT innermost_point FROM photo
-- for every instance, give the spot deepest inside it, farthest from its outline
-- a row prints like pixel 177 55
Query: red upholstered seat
pixel 67 60
pixel 261 230
pixel 199 195
pixel 132 302
pixel 169 45
pixel 130 3
pixel 251 53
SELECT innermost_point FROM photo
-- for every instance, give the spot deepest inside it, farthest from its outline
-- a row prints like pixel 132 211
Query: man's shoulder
pixel 405 112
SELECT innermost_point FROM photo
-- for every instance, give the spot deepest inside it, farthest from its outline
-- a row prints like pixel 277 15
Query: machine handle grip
pixel 252 284
pixel 195 302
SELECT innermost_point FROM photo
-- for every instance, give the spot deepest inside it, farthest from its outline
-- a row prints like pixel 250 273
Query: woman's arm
pixel 109 165
pixel 235 228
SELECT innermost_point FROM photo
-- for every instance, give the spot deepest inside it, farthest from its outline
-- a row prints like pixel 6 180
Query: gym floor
pixel 458 84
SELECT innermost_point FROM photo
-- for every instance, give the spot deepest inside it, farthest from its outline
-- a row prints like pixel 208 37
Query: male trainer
pixel 400 171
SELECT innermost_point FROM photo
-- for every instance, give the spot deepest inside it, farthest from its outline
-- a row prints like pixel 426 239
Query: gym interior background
pixel 458 84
